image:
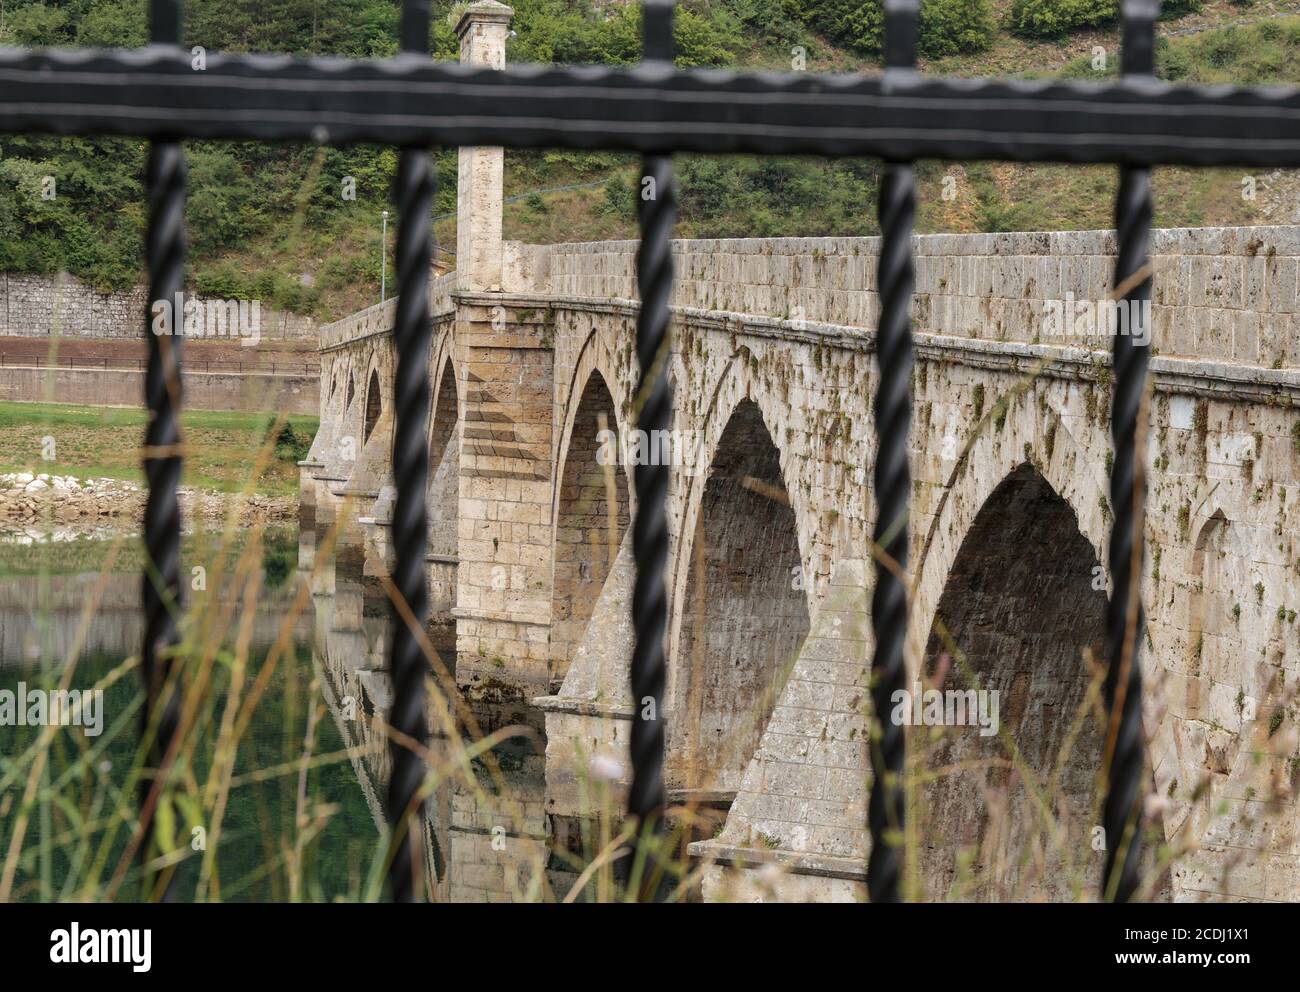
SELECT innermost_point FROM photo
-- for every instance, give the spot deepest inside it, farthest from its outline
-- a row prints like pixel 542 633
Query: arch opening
pixel 592 516
pixel 374 405
pixel 744 615
pixel 351 393
pixel 1020 615
pixel 443 502
pixel 1213 582
pixel 1221 687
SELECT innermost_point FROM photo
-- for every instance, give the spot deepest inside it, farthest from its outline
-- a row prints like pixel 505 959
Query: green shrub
pixel 1172 64
pixel 114 24
pixel 578 40
pixel 947 26
pixel 747 196
pixel 1171 9
pixel 1053 18
pixel 620 198
pixel 1223 49
pixel 223 281
pixel 38 26
pixel 857 25
pixel 279 557
pixel 776 22
pixel 290 445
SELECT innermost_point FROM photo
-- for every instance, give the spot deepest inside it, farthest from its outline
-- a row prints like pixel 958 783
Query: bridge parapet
pixel 375 319
pixel 1221 294
pixel 378 319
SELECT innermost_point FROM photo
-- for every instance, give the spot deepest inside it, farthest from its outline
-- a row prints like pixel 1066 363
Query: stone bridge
pixel 529 561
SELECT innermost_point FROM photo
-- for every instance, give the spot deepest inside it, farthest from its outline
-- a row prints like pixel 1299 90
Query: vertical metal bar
pixel 1121 812
pixel 412 334
pixel 654 271
pixel 893 484
pixel 161 597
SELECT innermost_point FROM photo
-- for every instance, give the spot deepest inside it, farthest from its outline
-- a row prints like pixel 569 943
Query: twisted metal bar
pixel 161 593
pixel 654 271
pixel 893 483
pixel 412 337
pixel 1121 810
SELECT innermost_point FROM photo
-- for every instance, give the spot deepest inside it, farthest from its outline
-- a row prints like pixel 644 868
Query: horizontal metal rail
pixel 650 108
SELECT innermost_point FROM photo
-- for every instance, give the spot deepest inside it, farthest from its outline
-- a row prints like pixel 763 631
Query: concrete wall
pixel 125 387
pixel 33 306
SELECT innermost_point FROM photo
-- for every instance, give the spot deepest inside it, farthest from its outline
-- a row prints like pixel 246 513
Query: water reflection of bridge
pixel 47 617
pixel 485 833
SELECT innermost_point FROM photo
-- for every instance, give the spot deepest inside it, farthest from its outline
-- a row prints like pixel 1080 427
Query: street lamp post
pixel 383 255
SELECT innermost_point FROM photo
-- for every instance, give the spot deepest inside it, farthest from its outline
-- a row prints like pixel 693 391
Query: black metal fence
pixel 654 109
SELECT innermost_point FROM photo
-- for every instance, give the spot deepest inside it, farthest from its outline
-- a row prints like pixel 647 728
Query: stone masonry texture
pixel 778 334
pixel 770 569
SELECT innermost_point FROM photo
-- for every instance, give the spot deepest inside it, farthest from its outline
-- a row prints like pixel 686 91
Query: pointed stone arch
pixel 374 405
pixel 1010 809
pixel 1034 431
pixel 443 499
pixel 733 386
pixel 444 424
pixel 592 513
pixel 1211 761
pixel 1207 549
pixel 744 611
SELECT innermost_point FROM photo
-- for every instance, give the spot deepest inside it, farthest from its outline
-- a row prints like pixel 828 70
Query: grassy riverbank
pixel 222 450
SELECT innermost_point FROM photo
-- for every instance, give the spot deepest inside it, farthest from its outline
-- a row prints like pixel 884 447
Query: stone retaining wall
pixel 32 306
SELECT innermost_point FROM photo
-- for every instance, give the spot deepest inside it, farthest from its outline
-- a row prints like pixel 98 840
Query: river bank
pixel 27 498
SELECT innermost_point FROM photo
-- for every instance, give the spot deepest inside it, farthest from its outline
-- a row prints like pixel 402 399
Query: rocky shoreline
pixel 27 498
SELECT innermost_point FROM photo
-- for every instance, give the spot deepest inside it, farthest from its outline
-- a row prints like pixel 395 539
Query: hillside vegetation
pixel 298 226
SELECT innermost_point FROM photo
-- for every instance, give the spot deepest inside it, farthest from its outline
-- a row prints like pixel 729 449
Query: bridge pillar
pixel 503 581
